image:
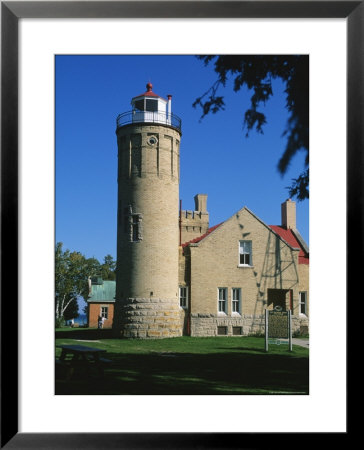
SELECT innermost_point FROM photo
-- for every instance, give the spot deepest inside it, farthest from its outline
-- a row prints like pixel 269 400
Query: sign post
pixel 278 327
pixel 290 329
pixel 266 329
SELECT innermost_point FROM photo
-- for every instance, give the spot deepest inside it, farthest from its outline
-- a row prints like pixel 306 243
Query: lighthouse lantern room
pixel 150 107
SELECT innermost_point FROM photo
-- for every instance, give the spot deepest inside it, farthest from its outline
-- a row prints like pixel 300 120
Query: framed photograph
pixel 28 205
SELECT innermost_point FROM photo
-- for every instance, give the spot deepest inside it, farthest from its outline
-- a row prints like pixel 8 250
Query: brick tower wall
pixel 147 303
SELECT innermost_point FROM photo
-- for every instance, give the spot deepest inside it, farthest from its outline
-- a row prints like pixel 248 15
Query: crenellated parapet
pixel 195 223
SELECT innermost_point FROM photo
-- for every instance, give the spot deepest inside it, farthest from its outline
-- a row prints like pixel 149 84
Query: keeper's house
pixel 230 273
pixel 100 302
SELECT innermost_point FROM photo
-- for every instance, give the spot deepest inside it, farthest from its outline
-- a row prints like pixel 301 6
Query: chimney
pixel 288 210
pixel 169 96
pixel 201 202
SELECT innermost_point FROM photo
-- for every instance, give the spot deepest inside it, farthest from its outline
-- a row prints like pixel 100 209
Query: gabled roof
pixel 199 238
pixel 291 238
pixel 294 241
pixel 104 292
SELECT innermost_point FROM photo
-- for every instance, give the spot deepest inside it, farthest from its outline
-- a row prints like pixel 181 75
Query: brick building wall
pixel 213 263
pixel 303 272
pixel 94 311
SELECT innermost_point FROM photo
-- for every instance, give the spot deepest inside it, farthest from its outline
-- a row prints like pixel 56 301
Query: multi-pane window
pixel 151 105
pixel 183 296
pixel 135 227
pixel 235 300
pixel 105 312
pixel 132 224
pixel 303 302
pixel 139 104
pixel 245 253
pixel 146 104
pixel 222 300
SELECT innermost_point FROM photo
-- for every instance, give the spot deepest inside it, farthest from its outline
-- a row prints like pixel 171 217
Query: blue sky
pixel 216 157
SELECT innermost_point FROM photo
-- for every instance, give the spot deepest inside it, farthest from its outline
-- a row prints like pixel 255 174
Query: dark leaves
pixel 254 118
pixel 256 72
pixel 299 187
pixel 213 103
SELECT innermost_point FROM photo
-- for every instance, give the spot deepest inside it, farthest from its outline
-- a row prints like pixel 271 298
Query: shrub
pixel 257 334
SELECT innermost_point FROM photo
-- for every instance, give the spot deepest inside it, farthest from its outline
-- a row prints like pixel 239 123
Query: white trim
pixel 107 311
pixel 179 296
pixel 222 313
pixel 239 302
pixel 302 303
pixel 250 254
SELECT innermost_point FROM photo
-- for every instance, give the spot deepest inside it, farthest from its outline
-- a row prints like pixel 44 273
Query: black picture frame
pixel 11 12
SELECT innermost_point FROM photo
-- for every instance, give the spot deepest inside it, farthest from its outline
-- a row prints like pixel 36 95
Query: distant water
pixel 81 319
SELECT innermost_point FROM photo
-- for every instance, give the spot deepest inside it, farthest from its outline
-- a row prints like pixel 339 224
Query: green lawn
pixel 187 365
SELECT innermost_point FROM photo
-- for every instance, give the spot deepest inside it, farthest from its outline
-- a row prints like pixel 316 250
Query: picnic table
pixel 73 356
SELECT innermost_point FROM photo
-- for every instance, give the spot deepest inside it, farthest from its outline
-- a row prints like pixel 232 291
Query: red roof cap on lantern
pixel 149 92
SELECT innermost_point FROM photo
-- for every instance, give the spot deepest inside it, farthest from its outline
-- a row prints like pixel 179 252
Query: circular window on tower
pixel 152 140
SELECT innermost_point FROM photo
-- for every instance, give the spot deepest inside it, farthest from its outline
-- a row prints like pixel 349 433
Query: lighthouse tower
pixel 148 137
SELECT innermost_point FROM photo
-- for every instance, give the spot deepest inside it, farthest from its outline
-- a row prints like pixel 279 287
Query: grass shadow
pixel 244 349
pixel 194 374
pixel 85 334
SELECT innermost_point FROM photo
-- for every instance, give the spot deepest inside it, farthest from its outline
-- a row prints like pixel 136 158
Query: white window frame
pixel 102 314
pixel 183 297
pixel 225 300
pixel 304 303
pixel 243 253
pixel 235 301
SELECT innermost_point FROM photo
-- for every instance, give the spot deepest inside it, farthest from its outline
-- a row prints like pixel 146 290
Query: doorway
pixel 281 298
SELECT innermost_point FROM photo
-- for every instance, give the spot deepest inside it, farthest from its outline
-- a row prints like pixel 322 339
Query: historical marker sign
pixel 277 327
pixel 278 324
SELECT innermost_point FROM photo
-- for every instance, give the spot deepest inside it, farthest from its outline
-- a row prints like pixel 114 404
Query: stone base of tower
pixel 148 318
